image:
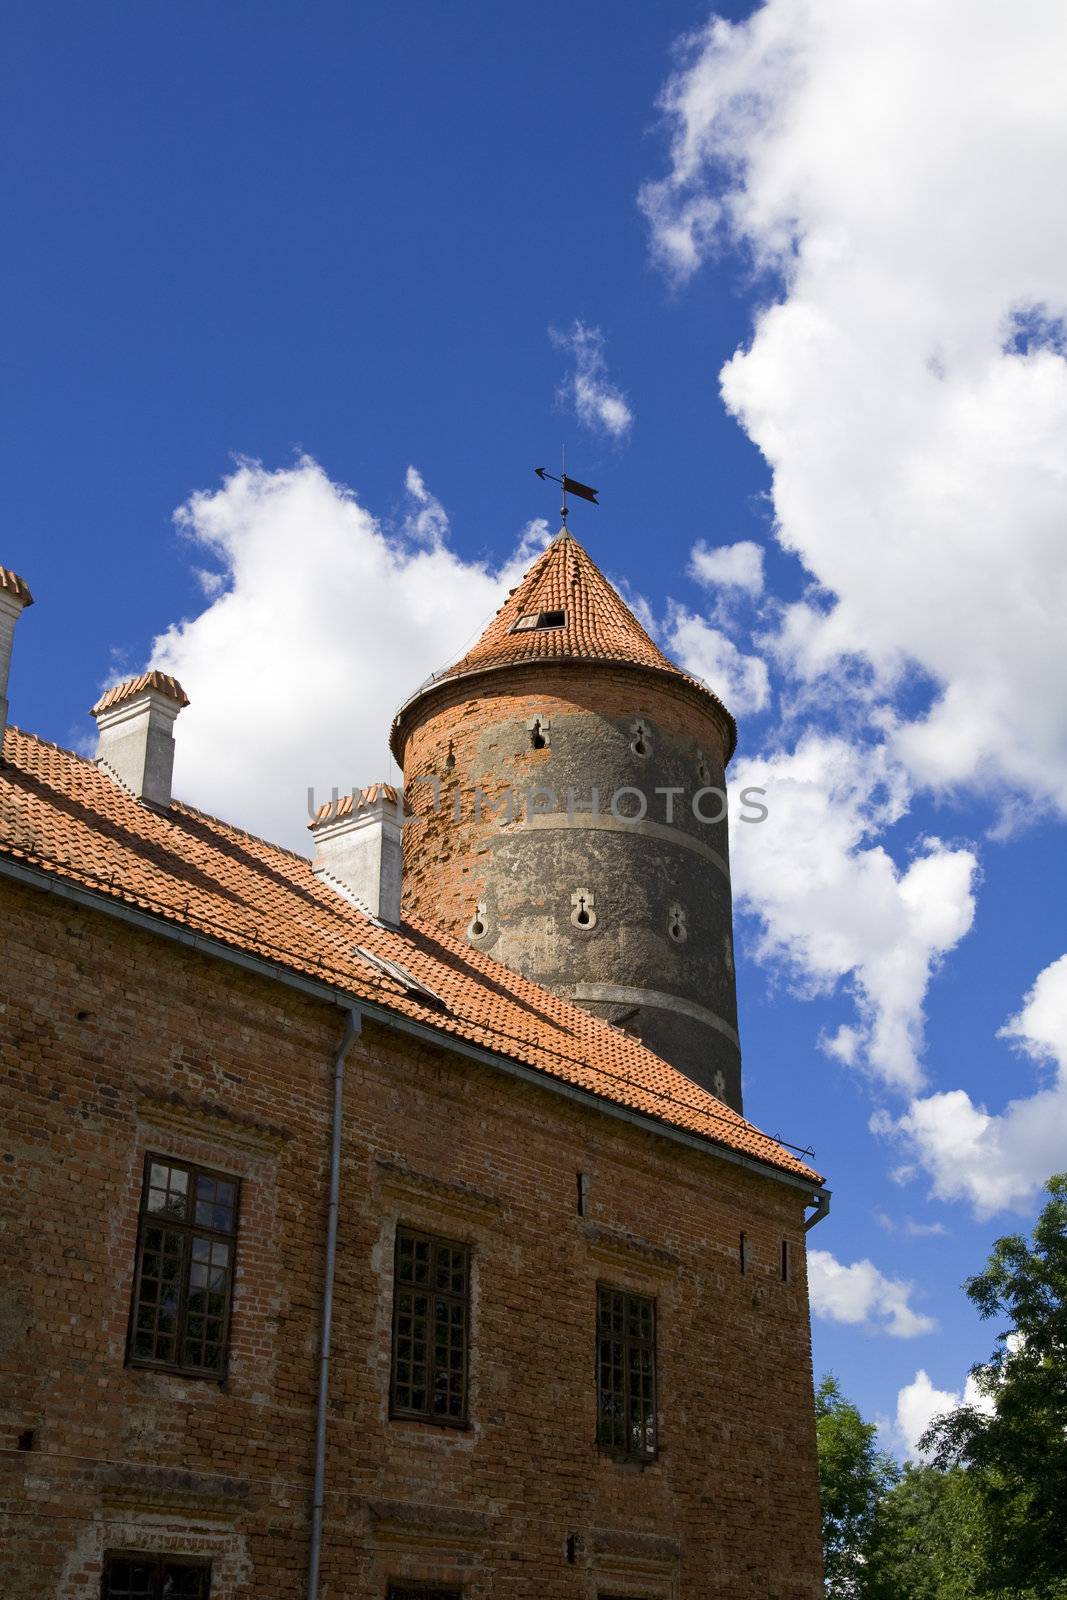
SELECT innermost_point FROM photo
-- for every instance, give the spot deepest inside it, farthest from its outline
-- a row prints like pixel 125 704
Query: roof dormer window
pixel 536 621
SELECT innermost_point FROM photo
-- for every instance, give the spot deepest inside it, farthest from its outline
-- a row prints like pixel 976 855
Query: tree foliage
pixel 1015 1452
pixel 928 1538
pixel 854 1475
pixel 986 1517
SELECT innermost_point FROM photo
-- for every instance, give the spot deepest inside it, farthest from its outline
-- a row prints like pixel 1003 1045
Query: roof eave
pixel 667 674
pixel 36 877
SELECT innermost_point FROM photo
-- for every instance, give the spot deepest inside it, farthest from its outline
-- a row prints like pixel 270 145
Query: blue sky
pixel 263 260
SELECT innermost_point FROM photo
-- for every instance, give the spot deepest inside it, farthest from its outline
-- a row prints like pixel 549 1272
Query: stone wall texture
pixel 518 834
pixel 115 1043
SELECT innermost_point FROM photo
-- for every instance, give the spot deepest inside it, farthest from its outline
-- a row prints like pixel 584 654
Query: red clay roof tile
pixel 188 868
pixel 597 625
pixel 161 682
pixel 15 586
pixel 360 800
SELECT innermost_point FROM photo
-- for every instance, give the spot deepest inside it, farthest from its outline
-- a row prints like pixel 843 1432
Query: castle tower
pixel 566 781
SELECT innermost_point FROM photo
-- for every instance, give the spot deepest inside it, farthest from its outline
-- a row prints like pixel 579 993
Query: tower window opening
pixel 537 621
pixel 677 922
pixel 785 1261
pixel 583 915
pixel 641 743
pixel 450 759
pixel 742 1254
pixel 539 729
pixel 478 926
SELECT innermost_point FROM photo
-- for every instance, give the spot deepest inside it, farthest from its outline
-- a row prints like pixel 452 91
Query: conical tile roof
pixel 565 610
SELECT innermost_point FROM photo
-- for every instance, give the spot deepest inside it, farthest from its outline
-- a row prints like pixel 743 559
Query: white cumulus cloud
pixel 863 1296
pixel 598 403
pixel 317 624
pixel 919 1402
pixel 741 682
pixel 834 907
pixel 729 566
pixel 998 1161
pixel 893 167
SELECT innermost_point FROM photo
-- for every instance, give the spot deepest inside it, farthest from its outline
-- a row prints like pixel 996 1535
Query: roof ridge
pixel 186 808
pixel 178 806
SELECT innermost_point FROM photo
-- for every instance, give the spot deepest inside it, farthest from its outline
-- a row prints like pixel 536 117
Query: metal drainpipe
pixel 821 1201
pixel 352 1030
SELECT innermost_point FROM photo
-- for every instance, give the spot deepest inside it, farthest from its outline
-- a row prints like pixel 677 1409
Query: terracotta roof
pixel 60 813
pixel 362 799
pixel 595 624
pixel 161 682
pixel 17 587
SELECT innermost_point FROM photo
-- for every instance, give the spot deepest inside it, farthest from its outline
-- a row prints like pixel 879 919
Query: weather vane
pixel 569 486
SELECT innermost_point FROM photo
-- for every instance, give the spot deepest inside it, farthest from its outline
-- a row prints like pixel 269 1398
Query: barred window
pixel 183 1285
pixel 404 1591
pixel 626 1373
pixel 153 1577
pixel 431 1316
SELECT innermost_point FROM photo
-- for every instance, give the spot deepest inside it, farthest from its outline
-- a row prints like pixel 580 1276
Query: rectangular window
pixel 536 621
pixel 785 1261
pixel 405 1591
pixel 183 1286
pixel 153 1577
pixel 626 1373
pixel 431 1316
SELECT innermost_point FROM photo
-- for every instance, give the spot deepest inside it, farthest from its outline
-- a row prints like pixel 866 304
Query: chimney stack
pixel 358 849
pixel 136 743
pixel 14 598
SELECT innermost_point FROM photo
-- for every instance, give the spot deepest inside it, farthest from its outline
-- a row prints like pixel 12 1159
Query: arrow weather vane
pixel 569 486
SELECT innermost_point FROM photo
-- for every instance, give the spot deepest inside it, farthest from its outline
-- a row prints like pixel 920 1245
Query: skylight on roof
pixel 407 980
pixel 536 620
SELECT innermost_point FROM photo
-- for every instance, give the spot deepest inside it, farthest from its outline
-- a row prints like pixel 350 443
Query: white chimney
pixel 359 851
pixel 14 598
pixel 136 742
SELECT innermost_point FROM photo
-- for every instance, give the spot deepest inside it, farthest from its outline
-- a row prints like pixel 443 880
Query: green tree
pixel 1015 1452
pixel 854 1475
pixel 928 1538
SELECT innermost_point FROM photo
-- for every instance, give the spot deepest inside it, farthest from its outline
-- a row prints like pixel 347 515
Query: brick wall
pixel 483 727
pixel 114 1042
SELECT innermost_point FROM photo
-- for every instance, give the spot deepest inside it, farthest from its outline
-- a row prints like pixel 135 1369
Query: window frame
pixel 157 1559
pixel 531 621
pixel 423 1591
pixel 189 1229
pixel 625 1453
pixel 397 1412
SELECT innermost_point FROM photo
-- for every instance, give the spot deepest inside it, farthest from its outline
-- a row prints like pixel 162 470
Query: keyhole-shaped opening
pixel 641 743
pixel 537 735
pixel 478 925
pixel 703 770
pixel 583 915
pixel 450 759
pixel 676 923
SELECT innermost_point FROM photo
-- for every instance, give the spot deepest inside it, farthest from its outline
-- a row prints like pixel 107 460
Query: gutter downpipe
pixel 821 1201
pixel 353 1027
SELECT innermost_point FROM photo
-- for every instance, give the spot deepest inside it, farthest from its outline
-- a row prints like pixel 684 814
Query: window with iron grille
pixel 154 1577
pixel 431 1317
pixel 421 1592
pixel 626 1373
pixel 183 1285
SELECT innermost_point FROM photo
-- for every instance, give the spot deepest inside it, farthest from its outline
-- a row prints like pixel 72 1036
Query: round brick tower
pixel 566 784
